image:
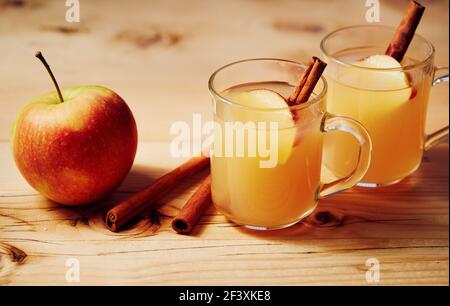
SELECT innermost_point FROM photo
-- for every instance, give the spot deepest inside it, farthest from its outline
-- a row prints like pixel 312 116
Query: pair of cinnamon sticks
pixel 123 212
pixel 201 199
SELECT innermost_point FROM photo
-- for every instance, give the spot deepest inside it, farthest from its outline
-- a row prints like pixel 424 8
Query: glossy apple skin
pixel 78 151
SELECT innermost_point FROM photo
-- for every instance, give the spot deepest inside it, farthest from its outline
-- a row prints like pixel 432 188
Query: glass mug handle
pixel 332 123
pixel 441 134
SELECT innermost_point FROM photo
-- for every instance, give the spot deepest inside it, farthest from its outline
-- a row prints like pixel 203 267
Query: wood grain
pixel 146 49
pixel 405 227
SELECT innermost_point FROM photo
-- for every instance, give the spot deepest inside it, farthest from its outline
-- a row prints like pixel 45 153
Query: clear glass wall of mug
pixel 395 116
pixel 269 176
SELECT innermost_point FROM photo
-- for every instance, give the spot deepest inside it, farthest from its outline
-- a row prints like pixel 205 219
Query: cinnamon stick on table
pixel 405 31
pixel 137 203
pixel 193 209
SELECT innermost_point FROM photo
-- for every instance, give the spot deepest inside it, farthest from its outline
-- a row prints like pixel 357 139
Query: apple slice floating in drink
pixel 260 99
pixel 266 99
pixel 396 80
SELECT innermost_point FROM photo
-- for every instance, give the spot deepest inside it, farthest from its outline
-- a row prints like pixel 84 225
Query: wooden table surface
pixel 159 55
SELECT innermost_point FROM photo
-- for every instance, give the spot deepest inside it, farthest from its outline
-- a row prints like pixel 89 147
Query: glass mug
pixel 261 196
pixel 395 116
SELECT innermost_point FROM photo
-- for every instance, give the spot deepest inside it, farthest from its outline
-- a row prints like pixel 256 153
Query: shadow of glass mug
pixel 391 103
pixel 245 188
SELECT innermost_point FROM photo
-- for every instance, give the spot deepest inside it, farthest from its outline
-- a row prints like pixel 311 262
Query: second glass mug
pixel 394 116
pixel 279 195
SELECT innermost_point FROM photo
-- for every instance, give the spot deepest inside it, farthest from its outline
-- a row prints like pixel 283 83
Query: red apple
pixel 77 151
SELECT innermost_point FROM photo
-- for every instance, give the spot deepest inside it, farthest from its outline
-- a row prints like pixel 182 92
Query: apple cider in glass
pixel 392 106
pixel 390 98
pixel 281 193
pixel 267 154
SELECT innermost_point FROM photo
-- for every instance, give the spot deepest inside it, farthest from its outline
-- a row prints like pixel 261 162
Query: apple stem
pixel 41 57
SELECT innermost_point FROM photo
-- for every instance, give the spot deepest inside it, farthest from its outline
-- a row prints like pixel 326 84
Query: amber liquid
pixel 269 198
pixel 396 127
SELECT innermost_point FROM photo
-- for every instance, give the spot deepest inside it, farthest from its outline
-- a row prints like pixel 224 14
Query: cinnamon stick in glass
pixel 405 32
pixel 194 208
pixel 144 199
pixel 307 82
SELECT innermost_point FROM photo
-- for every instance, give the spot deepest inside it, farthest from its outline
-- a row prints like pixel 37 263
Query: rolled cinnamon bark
pixel 193 209
pixel 405 32
pixel 144 199
pixel 307 81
